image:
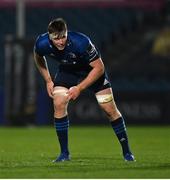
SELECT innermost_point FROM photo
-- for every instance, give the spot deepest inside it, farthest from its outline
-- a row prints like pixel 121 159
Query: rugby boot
pixel 129 157
pixel 62 157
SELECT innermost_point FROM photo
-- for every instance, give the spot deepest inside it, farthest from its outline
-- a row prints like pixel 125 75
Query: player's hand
pixel 73 92
pixel 50 88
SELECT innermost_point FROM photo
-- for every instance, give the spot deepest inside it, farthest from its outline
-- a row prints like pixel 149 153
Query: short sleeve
pixel 38 48
pixel 91 53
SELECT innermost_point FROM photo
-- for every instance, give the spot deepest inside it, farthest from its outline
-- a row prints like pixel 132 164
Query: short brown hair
pixel 57 25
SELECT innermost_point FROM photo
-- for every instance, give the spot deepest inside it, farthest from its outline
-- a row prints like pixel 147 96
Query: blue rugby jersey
pixel 77 54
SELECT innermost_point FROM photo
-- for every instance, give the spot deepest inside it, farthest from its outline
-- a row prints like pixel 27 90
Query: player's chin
pixel 60 47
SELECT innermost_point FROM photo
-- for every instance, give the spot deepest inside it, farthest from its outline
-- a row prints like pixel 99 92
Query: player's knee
pixel 60 104
pixel 116 114
pixel 60 100
pixel 113 113
pixel 60 109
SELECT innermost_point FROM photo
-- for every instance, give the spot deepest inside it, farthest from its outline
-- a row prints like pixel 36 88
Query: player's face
pixel 59 40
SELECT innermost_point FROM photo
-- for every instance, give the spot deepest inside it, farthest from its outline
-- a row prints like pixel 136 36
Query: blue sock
pixel 62 125
pixel 120 131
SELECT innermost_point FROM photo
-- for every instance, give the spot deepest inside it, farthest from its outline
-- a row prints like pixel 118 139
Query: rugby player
pixel 80 67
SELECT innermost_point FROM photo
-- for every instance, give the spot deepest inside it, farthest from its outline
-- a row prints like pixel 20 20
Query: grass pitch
pixel 95 152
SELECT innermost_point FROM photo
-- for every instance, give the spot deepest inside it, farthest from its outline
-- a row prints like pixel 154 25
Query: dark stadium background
pixel 133 37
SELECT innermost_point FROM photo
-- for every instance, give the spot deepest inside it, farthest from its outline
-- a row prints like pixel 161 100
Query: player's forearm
pixel 42 67
pixel 45 73
pixel 94 75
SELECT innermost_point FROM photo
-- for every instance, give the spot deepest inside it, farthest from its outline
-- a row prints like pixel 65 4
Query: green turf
pixel 28 152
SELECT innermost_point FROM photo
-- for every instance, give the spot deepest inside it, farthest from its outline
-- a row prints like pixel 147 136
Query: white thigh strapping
pixel 104 98
pixel 60 91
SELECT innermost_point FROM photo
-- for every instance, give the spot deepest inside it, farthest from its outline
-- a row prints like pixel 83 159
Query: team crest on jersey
pixel 72 55
pixel 52 54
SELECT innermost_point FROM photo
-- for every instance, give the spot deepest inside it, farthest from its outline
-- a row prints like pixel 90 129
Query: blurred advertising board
pixel 136 107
